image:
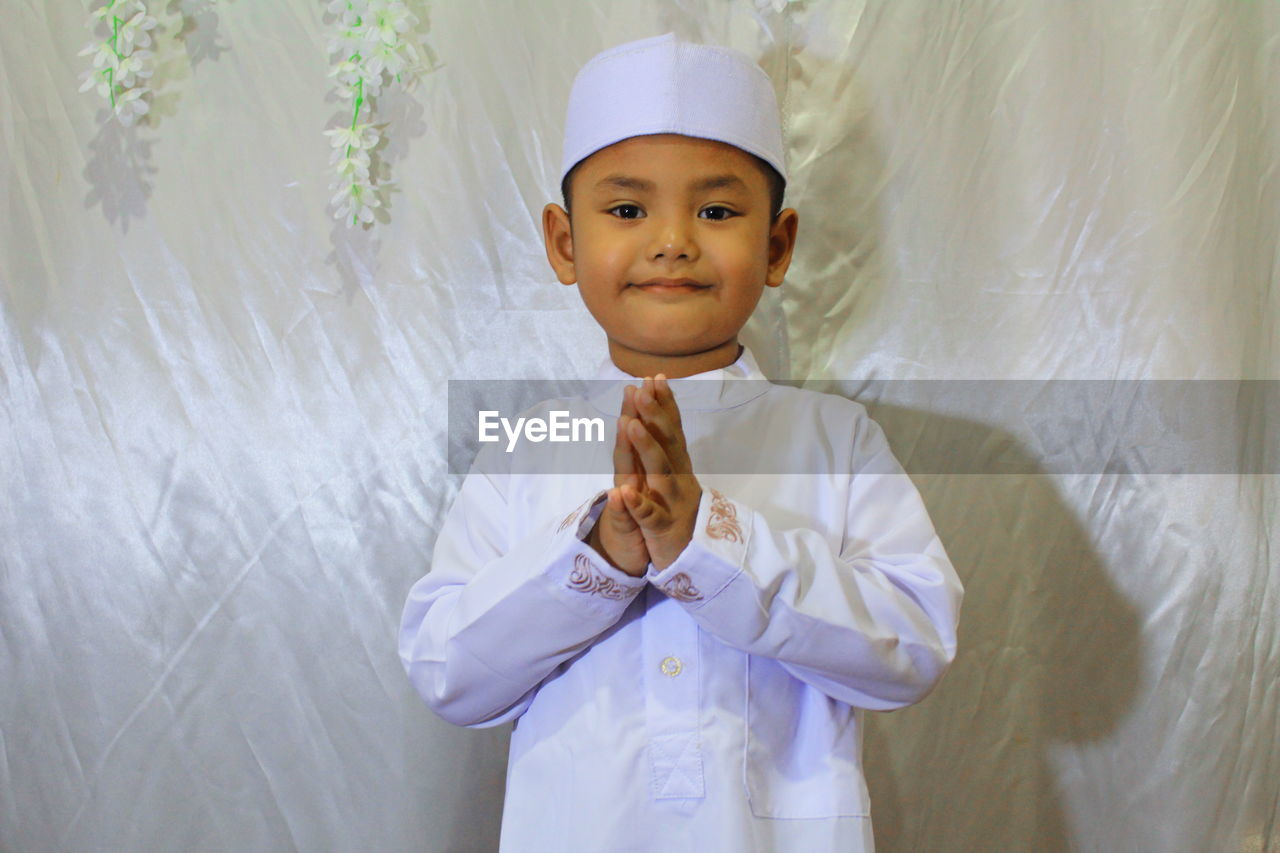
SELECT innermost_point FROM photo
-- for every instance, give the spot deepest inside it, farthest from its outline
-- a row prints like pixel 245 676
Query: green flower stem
pixel 355 116
pixel 355 57
pixel 115 34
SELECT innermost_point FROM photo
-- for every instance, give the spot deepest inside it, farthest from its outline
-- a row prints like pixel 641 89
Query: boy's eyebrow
pixel 623 182
pixel 715 182
pixel 720 182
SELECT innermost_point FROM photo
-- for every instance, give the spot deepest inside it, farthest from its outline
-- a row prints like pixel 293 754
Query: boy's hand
pixel 616 535
pixel 664 501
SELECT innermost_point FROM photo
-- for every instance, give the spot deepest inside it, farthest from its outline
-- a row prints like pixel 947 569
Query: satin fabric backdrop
pixel 222 434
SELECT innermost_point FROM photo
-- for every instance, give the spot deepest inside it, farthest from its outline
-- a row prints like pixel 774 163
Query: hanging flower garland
pixel 367 47
pixel 117 66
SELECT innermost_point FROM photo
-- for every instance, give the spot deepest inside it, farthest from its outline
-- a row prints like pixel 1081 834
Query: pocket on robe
pixel 803 749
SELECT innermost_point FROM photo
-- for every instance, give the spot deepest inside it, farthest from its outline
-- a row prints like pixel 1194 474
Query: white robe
pixel 714 705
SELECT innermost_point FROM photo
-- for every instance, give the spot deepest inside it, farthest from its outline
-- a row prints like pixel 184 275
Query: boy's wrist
pixel 714 555
pixel 593 542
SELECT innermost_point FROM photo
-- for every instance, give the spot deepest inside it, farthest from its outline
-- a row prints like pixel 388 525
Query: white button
pixel 671 666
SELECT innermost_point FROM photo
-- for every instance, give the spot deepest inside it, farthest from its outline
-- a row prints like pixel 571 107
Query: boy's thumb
pixel 638 506
pixel 615 510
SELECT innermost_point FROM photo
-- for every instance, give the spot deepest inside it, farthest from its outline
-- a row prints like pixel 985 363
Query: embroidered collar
pixel 710 391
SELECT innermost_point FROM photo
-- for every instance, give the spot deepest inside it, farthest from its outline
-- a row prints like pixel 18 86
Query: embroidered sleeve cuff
pixel 582 576
pixel 713 558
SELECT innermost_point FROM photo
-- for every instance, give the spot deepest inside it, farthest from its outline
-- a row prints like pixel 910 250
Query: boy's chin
pixel 667 348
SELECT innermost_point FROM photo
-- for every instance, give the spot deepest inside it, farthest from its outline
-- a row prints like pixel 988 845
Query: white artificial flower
pixel 389 18
pixel 346 164
pixel 367 53
pixel 351 73
pixel 91 78
pixel 372 83
pixel 135 64
pixel 134 31
pixel 350 12
pixel 346 43
pixel 360 136
pixel 117 9
pixel 119 60
pixel 360 155
pixel 367 201
pixel 355 204
pixel 390 58
pixel 350 167
pixel 129 105
pixel 347 72
pixel 102 54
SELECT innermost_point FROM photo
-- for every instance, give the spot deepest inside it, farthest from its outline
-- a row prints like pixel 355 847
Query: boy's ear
pixel 558 238
pixel 782 241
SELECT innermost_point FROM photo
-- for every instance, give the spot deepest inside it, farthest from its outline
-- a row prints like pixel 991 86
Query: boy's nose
pixel 673 241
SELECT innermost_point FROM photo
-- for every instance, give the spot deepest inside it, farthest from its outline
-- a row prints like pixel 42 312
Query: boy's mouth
pixel 671 285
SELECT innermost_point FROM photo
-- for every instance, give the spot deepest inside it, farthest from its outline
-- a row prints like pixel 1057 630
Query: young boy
pixel 686 655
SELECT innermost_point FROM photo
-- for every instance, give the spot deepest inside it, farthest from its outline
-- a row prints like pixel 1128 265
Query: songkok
pixel 661 85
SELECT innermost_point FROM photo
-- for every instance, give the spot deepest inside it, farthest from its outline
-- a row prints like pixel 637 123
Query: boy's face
pixel 671 246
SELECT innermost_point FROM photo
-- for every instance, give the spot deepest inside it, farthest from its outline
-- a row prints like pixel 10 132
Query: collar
pixel 710 391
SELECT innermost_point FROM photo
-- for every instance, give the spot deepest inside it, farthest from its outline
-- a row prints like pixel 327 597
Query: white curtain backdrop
pixel 222 415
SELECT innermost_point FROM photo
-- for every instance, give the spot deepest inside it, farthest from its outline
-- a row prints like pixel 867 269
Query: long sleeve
pixel 493 619
pixel 871 623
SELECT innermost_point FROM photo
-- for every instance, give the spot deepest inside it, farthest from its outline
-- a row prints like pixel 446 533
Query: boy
pixel 685 656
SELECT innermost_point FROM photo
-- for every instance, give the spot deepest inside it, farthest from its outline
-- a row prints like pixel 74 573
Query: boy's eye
pixel 625 211
pixel 720 212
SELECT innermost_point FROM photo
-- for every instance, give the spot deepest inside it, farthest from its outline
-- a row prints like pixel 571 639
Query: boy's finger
pixel 626 462
pixel 652 455
pixel 658 419
pixel 629 410
pixel 657 466
pixel 663 421
pixel 679 449
pixel 637 465
pixel 642 509
pixel 622 465
pixel 616 512
pixel 667 398
pixel 629 401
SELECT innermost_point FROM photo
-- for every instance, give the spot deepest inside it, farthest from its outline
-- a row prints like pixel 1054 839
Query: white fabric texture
pixel 222 415
pixel 713 704
pixel 665 85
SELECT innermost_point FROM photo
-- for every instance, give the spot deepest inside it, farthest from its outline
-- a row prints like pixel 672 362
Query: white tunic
pixel 714 705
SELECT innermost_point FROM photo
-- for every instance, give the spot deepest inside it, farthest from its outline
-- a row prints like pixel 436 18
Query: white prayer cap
pixel 661 85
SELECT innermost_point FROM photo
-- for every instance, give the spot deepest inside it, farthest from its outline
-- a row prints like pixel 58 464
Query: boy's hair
pixel 777 186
